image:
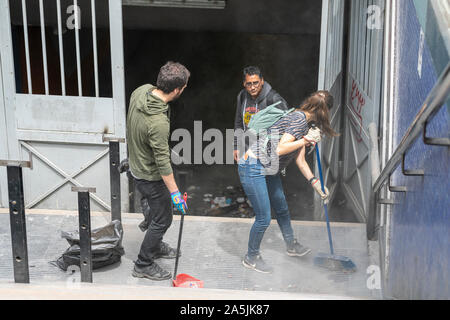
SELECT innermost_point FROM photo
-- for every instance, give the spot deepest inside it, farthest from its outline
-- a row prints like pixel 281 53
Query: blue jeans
pixel 264 193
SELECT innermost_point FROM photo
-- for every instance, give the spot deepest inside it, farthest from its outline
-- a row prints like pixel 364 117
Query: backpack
pixel 266 118
pixel 263 120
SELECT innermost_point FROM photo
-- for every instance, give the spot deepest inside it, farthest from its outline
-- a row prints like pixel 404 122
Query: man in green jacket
pixel 148 128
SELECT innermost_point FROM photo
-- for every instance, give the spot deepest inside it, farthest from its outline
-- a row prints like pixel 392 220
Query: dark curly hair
pixel 171 76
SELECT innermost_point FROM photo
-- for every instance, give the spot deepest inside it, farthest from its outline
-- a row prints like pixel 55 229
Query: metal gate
pixel 62 133
pixel 331 79
pixel 349 168
pixel 363 98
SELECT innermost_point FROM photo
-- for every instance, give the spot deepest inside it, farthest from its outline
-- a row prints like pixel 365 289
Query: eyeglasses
pixel 252 84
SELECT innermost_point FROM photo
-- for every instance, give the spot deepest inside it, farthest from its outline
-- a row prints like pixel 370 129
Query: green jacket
pixel 148 128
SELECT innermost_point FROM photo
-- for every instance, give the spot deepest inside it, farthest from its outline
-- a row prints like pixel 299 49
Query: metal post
pixel 84 217
pixel 114 175
pixel 44 46
pixel 61 48
pixel 17 219
pixel 77 46
pixel 94 47
pixel 27 46
pixel 114 160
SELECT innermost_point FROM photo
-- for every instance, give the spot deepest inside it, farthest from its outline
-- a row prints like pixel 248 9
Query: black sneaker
pixel 257 263
pixel 297 250
pixel 166 252
pixel 152 272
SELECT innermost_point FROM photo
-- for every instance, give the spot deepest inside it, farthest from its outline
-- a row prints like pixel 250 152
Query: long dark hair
pixel 318 105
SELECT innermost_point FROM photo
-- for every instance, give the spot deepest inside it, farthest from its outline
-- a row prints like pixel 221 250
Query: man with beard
pixel 148 128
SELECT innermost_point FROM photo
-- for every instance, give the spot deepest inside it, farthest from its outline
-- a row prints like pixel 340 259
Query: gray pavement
pixel 212 250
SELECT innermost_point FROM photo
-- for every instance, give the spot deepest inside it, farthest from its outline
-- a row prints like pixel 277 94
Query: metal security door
pixel 331 79
pixel 363 95
pixel 62 134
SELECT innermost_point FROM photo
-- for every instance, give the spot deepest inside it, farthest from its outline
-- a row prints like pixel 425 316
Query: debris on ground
pixel 221 201
pixel 217 201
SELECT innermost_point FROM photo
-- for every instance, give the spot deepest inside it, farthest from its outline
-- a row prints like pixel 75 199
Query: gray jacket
pixel 245 103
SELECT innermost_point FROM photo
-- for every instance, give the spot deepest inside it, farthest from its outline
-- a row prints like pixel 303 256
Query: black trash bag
pixel 106 247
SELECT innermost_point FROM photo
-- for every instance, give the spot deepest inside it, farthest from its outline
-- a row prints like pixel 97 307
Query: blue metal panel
pixel 420 243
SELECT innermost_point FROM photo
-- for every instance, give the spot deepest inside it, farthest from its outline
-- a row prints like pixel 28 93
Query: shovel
pixel 331 261
pixel 184 280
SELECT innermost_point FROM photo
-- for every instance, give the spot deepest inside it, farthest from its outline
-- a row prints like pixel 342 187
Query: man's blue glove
pixel 179 202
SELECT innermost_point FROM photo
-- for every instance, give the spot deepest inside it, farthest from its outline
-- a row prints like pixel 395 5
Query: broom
pixel 331 261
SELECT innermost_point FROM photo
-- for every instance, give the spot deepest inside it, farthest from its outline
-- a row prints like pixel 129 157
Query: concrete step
pixel 95 291
pixel 212 250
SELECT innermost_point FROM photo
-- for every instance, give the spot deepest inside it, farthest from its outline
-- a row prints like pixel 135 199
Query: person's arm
pixel 170 183
pixel 175 194
pixel 238 125
pixel 158 137
pixel 303 165
pixel 289 144
pixel 307 173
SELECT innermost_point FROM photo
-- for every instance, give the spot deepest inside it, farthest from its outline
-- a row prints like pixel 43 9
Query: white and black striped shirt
pixel 294 124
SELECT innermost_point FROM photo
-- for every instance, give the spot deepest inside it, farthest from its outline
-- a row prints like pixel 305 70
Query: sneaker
pixel 257 263
pixel 297 250
pixel 166 252
pixel 152 272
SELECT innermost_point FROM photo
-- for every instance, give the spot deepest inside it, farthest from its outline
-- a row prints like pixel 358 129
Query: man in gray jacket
pixel 256 96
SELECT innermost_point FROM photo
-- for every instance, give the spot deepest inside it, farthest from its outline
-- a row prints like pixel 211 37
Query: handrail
pixel 435 100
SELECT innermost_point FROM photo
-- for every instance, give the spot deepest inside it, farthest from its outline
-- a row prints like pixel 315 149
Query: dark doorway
pixel 287 54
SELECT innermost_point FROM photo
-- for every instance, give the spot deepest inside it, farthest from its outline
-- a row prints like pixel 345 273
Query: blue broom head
pixel 334 262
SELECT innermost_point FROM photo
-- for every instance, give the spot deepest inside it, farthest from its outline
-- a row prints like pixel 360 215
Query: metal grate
pixel 46 13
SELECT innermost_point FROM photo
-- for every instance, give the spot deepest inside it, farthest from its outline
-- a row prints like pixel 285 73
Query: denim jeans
pixel 264 192
pixel 160 219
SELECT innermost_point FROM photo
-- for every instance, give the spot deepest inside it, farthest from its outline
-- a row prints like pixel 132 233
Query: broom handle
pixel 179 241
pixel 324 205
pixel 178 247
